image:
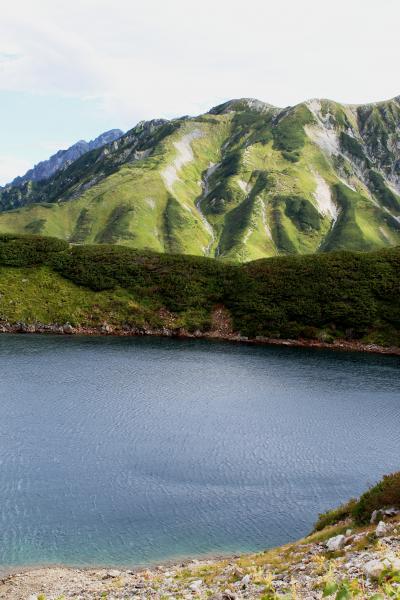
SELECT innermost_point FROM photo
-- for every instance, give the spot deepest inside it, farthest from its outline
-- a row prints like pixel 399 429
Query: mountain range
pixel 63 158
pixel 244 181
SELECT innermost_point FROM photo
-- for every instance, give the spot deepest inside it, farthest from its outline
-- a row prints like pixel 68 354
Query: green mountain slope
pixel 246 180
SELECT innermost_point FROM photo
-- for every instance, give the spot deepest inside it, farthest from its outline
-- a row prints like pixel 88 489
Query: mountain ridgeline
pixel 63 158
pixel 245 181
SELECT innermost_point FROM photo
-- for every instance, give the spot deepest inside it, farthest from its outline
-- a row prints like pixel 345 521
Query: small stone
pixel 381 529
pixel 245 581
pixel 348 532
pixel 374 569
pixel 67 328
pixel 113 573
pixel 336 543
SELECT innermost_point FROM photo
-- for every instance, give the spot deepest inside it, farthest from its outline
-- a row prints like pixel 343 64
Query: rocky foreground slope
pixel 246 180
pixel 343 560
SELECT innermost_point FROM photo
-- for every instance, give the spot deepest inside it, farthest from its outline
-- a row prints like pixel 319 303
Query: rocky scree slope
pixel 245 181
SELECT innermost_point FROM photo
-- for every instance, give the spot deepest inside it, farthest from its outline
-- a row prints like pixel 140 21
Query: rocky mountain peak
pixel 61 159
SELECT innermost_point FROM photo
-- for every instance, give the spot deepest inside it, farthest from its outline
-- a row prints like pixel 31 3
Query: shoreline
pixel 303 566
pixel 177 561
pixel 107 330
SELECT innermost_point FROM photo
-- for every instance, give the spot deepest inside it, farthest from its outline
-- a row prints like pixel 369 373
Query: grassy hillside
pixel 242 182
pixel 325 297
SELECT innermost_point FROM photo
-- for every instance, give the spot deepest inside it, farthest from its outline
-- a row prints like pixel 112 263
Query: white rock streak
pixel 245 187
pixel 184 155
pixel 264 219
pixel 323 198
pixel 322 134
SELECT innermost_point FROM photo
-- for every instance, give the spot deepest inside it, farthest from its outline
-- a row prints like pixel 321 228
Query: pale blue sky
pixel 72 69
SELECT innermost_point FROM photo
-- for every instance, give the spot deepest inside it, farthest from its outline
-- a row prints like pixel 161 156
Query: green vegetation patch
pixel 22 251
pixel 334 516
pixel 289 135
pixel 383 192
pixel 326 296
pixel 347 233
pixel 303 213
pixel 281 237
pixel 353 147
pixel 385 494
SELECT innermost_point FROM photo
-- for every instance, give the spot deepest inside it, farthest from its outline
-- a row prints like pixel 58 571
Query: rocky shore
pixel 217 334
pixel 337 562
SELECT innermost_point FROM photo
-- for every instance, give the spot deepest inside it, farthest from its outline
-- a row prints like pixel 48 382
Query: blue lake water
pixel 134 451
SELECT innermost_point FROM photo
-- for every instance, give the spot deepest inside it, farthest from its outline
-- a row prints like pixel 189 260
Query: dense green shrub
pixel 333 292
pixel 303 213
pixel 331 517
pixel 21 250
pixel 384 494
pixel 175 281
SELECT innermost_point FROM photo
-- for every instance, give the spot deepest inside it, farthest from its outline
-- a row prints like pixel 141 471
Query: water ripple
pixel 132 451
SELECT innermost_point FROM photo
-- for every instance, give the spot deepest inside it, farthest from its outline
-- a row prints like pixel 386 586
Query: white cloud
pixel 158 58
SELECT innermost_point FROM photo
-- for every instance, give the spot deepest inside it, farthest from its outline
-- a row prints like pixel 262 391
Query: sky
pixel 71 69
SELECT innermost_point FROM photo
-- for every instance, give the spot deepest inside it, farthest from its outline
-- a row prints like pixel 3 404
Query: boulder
pixel 113 573
pixel 392 563
pixel 381 529
pixel 391 512
pixel 374 516
pixel 336 543
pixel 374 569
pixel 67 328
pixel 396 564
pixel 196 585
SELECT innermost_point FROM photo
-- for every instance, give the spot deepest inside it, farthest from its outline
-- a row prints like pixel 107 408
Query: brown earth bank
pixel 221 334
pixel 342 561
